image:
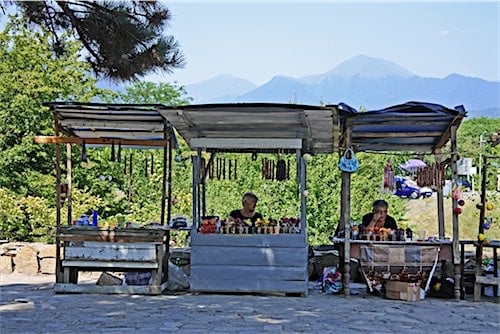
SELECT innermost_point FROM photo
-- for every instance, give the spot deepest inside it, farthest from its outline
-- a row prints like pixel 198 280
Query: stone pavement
pixel 31 306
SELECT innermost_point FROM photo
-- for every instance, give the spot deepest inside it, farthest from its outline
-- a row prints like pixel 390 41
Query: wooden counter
pixel 118 250
pixel 262 263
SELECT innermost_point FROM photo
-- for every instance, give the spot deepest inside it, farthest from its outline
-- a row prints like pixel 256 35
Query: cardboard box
pixel 402 291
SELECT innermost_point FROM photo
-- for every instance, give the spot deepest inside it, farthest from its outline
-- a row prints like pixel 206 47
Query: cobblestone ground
pixel 29 305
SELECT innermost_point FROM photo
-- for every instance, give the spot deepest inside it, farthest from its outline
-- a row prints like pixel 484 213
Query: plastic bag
pixel 177 278
pixel 348 162
pixel 331 281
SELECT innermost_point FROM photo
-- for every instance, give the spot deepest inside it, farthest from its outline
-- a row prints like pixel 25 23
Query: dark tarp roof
pixel 413 127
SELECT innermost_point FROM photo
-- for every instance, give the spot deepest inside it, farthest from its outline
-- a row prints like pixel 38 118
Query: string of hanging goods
pixel 119 152
pixel 152 164
pixel 84 152
pixel 113 152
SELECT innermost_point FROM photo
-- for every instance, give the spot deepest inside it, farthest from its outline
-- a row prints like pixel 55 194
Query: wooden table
pixel 393 254
pixel 118 250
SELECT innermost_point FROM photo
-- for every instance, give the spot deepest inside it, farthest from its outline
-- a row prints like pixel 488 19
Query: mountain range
pixel 361 82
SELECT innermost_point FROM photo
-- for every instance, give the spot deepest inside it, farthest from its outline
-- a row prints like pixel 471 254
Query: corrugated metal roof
pixel 316 126
pixel 412 127
pixel 109 121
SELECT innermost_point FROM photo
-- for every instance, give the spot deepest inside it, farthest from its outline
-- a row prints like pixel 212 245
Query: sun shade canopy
pixel 260 127
pixel 256 126
pixel 100 121
pixel 411 127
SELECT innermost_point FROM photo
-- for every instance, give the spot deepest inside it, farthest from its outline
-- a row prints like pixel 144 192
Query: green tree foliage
pixel 123 40
pixel 31 75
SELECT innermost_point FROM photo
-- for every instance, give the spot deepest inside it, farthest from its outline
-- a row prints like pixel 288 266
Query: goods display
pixel 213 224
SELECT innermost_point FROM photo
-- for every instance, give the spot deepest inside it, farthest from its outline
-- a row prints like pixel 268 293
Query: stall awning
pixel 317 128
pixel 101 123
pixel 411 127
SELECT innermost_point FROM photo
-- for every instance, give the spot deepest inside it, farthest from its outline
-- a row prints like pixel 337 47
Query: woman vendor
pixel 247 212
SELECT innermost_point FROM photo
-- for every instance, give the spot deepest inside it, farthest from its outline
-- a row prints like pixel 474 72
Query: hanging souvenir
pixel 348 162
pixel 389 183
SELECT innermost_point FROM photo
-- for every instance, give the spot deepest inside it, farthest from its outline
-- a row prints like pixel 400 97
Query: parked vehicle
pixel 465 184
pixel 409 189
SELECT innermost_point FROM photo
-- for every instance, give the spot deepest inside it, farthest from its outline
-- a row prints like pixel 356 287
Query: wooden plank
pixel 108 289
pixel 255 286
pixel 244 273
pixel 488 280
pixel 257 240
pixel 112 235
pixel 248 256
pixel 99 141
pixel 109 264
pixel 109 252
pixel 240 143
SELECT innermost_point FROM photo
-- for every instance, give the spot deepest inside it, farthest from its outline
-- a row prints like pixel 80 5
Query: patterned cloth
pixel 137 278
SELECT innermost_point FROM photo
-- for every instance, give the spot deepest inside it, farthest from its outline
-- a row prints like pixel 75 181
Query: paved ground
pixel 29 305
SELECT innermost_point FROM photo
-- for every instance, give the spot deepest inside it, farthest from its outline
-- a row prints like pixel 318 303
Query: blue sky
pixel 257 40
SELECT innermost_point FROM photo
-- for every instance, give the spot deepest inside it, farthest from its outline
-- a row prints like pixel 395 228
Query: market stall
pixel 86 246
pixel 415 127
pixel 274 260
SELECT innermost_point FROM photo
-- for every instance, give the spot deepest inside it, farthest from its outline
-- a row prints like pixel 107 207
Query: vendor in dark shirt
pixel 379 217
pixel 247 212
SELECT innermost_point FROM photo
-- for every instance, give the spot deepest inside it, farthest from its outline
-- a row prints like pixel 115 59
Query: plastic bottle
pixel 95 218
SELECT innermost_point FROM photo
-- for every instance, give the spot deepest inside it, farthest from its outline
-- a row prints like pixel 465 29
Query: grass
pixel 421 214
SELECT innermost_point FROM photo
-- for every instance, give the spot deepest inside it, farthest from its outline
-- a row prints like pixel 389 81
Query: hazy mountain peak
pixel 219 89
pixel 364 67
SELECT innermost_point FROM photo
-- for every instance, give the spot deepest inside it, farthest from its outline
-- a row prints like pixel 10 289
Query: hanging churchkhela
pixel 113 152
pixel 125 165
pixel 84 152
pixel 281 172
pixel 119 158
pixel 152 164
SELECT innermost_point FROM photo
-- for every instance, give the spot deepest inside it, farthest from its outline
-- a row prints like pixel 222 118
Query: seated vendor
pixel 247 212
pixel 379 217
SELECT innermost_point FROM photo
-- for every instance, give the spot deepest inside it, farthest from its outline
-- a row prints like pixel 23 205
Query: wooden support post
pixel 456 235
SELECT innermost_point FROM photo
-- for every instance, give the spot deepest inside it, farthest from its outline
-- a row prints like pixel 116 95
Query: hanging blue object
pixel 348 162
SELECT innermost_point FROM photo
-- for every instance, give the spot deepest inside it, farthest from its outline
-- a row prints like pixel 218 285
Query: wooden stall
pixel 413 127
pixel 116 249
pixel 261 263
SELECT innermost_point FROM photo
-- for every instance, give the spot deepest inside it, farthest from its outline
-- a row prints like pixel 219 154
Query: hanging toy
pixel 456 193
pixel 461 202
pixel 458 211
pixel 489 206
pixel 486 226
pixel 481 237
